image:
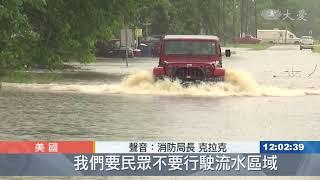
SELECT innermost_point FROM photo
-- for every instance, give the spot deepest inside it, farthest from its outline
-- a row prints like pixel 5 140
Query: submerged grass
pixel 28 77
pixel 53 77
pixel 256 47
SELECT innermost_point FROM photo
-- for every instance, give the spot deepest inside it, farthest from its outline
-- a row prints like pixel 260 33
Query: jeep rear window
pixel 190 48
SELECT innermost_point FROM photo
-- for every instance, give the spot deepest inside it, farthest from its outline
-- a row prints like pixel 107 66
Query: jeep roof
pixel 191 37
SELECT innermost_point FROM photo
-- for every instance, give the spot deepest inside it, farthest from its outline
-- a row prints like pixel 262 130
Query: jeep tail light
pixel 170 70
pixel 218 72
pixel 208 70
pixel 158 71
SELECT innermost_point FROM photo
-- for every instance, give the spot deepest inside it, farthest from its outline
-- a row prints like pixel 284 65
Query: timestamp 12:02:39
pixel 284 147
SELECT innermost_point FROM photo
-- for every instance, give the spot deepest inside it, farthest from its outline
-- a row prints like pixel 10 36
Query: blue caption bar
pixel 277 147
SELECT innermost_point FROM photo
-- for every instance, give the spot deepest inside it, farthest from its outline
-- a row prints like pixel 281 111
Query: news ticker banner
pixel 113 158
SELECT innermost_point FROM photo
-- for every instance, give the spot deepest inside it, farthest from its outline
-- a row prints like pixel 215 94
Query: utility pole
pixel 127 64
pixel 223 24
pixel 247 16
pixel 219 18
pixel 255 17
pixel 234 20
pixel 241 17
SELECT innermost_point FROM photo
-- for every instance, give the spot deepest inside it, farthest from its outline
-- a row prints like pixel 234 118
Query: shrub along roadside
pixel 260 46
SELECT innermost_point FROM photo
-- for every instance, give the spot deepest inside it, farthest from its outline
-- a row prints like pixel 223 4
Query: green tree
pixel 46 33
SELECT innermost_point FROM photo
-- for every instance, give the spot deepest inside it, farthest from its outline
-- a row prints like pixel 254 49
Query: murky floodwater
pixel 268 95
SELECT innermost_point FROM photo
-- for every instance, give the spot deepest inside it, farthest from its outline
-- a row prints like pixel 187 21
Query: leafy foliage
pixel 229 17
pixel 46 33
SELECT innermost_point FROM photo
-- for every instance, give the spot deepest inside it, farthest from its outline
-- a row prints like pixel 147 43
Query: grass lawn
pixel 256 47
pixel 316 49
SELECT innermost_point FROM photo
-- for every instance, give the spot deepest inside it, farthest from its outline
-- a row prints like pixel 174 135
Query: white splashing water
pixel 237 83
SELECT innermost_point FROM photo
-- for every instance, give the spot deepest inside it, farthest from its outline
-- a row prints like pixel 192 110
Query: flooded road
pixel 270 96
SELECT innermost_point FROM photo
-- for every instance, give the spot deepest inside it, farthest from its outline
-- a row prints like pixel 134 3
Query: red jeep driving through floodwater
pixel 190 58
